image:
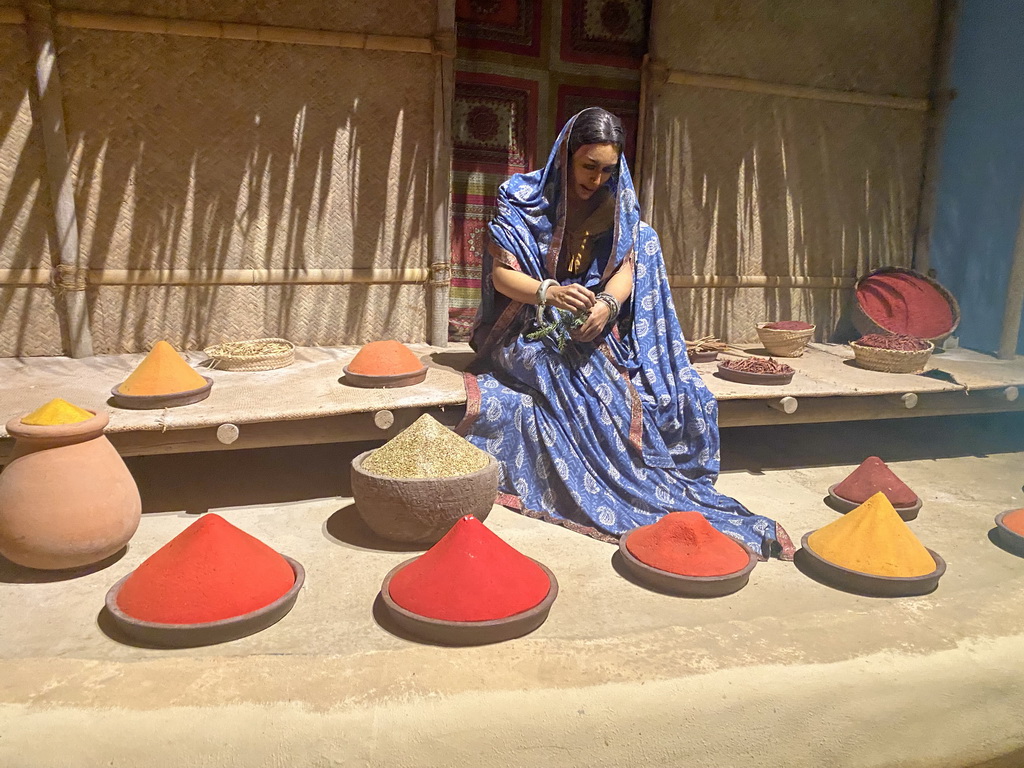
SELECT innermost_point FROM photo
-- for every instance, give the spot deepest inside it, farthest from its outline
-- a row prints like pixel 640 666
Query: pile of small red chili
pixel 757 365
pixel 897 341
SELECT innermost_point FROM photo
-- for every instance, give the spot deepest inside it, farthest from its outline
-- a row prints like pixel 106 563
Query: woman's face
pixel 592 166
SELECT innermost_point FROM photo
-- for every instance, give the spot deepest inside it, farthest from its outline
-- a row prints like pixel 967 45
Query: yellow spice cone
pixel 57 411
pixel 873 539
pixel 163 372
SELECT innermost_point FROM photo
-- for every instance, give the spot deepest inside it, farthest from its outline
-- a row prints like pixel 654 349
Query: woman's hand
pixel 573 297
pixel 600 314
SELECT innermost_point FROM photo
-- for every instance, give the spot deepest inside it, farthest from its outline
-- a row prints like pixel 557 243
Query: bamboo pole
pixel 224 30
pixel 746 85
pixel 49 104
pixel 441 182
pixel 12 16
pixel 1014 306
pixel 188 277
pixel 760 281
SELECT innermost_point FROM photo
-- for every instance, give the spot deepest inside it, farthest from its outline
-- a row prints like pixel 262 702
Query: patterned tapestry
pixel 524 67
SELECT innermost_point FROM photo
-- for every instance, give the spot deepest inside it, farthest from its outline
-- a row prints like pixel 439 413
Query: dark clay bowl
pixel 745 377
pixel 173 400
pixel 1010 539
pixel 384 382
pixel 703 357
pixel 206 633
pixel 839 504
pixel 685 586
pixel 862 583
pixel 444 632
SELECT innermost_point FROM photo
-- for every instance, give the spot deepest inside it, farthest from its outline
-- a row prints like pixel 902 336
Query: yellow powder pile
pixel 56 411
pixel 426 449
pixel 163 372
pixel 873 539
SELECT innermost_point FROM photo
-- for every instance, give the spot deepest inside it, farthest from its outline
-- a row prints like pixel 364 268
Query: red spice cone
pixel 470 575
pixel 871 477
pixel 384 358
pixel 685 543
pixel 208 572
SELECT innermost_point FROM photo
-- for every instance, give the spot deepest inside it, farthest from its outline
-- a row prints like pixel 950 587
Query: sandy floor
pixel 787 672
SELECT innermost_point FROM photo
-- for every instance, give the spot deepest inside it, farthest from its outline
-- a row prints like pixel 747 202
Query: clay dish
pixel 421 510
pixel 703 357
pixel 745 377
pixel 368 381
pixel 444 632
pixel 840 504
pixel 209 632
pixel 685 586
pixel 862 583
pixel 1010 539
pixel 173 400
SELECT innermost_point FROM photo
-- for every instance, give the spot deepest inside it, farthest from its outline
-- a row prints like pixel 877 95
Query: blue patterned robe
pixel 621 431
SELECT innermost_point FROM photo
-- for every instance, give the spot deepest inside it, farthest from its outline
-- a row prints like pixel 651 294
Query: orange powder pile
pixel 163 372
pixel 1015 521
pixel 685 543
pixel 208 572
pixel 871 477
pixel 55 412
pixel 384 358
pixel 873 539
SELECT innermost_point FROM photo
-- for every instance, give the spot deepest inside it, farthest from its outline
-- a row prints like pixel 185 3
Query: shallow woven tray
pixel 891 360
pixel 684 586
pixel 866 325
pixel 246 356
pixel 784 343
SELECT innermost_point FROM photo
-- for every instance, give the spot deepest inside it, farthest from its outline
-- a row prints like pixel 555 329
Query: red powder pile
pixel 789 325
pixel 686 544
pixel 893 341
pixel 1015 521
pixel 469 575
pixel 902 303
pixel 384 358
pixel 871 477
pixel 210 571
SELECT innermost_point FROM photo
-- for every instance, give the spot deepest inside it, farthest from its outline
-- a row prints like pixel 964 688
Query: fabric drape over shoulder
pixel 622 430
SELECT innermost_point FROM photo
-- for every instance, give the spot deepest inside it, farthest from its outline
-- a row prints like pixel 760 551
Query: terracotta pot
pixel 66 498
pixel 421 510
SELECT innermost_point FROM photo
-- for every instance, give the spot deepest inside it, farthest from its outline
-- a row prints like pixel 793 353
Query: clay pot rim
pixel 234 623
pixel 940 567
pixel 747 377
pixel 357 466
pixel 94 425
pixel 1014 536
pixel 453 626
pixel 169 400
pixel 634 560
pixel 384 381
pixel 900 509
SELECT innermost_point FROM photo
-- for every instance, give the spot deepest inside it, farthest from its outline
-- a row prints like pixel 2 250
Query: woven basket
pixel 891 360
pixel 865 325
pixel 246 356
pixel 780 343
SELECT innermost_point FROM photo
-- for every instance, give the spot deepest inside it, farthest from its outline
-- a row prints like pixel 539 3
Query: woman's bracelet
pixel 612 302
pixel 542 297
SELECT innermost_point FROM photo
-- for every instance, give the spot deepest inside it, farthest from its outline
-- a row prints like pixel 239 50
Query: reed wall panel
pixel 878 46
pixel 129 319
pixel 406 18
pixel 29 323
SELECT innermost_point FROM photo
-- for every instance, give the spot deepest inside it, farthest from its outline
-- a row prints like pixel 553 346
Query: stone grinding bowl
pixel 389 381
pixel 685 586
pixel 442 632
pixel 209 632
pixel 421 510
pixel 869 584
pixel 843 505
pixel 172 400
pixel 746 377
pixel 1010 539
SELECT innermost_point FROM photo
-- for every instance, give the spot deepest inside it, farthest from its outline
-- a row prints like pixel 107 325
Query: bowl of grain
pixel 416 486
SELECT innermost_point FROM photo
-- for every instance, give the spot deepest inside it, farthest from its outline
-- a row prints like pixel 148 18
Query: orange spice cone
pixel 162 372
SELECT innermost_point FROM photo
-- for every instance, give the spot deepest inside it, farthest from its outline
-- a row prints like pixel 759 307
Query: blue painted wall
pixel 981 170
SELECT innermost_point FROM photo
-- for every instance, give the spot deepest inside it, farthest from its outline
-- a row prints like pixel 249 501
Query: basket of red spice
pixel 891 353
pixel 384 364
pixel 756 370
pixel 785 338
pixel 682 554
pixel 902 301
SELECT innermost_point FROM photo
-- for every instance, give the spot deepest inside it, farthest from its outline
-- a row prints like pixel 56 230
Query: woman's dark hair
pixel 596 126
